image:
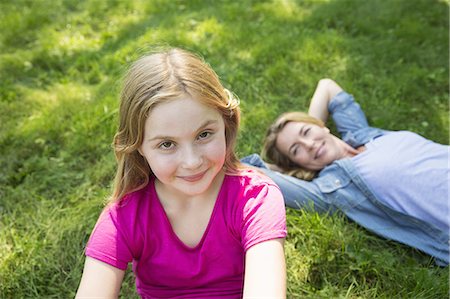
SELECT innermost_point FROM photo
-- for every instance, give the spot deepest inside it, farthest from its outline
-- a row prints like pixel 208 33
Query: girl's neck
pixel 170 197
pixel 189 216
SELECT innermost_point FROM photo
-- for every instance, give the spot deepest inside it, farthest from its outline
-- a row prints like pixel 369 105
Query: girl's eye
pixel 204 135
pixel 166 145
pixel 306 131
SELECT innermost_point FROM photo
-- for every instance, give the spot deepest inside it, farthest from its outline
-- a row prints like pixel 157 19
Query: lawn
pixel 61 64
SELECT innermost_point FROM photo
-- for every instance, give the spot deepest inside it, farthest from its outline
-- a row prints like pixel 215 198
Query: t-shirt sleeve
pixel 107 242
pixel 264 215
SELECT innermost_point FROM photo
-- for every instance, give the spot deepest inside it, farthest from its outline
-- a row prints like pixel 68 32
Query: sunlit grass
pixel 61 64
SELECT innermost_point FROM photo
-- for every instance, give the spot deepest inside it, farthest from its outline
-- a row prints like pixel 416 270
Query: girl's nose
pixel 191 158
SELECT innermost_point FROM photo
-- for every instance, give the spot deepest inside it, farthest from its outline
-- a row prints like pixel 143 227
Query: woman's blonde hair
pixel 156 78
pixel 272 155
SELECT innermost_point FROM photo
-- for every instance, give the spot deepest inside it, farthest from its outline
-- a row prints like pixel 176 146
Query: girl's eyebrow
pixel 203 125
pixel 207 123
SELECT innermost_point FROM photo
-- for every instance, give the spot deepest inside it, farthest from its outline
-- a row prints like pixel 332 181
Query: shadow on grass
pixel 391 54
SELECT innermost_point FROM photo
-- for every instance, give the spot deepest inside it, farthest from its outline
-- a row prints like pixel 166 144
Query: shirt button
pixel 337 182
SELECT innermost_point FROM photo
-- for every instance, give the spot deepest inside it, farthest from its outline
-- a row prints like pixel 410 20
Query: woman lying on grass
pixel 395 184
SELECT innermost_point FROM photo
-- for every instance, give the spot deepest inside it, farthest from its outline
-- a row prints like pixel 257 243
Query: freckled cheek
pixel 162 166
pixel 216 151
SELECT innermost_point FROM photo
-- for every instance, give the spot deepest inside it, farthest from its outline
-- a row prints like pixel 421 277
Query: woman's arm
pixel 326 90
pixel 99 280
pixel 265 270
pixel 298 194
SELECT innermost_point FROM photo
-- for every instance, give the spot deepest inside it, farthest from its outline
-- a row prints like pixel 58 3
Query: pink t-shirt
pixel 249 210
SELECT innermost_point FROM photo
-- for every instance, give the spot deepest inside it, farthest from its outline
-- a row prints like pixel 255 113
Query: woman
pixel 395 184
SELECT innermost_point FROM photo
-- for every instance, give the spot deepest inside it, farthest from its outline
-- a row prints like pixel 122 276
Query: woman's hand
pixel 326 89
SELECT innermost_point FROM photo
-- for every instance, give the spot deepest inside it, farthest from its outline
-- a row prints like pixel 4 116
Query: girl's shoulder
pixel 132 202
pixel 250 179
pixel 251 173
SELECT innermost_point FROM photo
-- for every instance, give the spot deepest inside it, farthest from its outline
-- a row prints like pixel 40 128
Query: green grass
pixel 61 62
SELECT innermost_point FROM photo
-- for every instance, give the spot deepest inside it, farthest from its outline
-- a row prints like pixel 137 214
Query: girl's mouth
pixel 195 177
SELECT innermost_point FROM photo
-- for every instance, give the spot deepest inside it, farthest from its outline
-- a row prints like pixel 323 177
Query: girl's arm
pixel 99 280
pixel 265 270
pixel 326 90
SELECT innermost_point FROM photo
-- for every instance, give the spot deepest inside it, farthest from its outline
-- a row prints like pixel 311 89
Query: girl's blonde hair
pixel 272 155
pixel 157 78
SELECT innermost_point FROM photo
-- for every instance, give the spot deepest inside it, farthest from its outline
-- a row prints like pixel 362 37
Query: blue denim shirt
pixel 340 187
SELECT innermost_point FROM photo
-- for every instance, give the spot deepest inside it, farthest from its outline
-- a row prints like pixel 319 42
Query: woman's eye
pixel 166 145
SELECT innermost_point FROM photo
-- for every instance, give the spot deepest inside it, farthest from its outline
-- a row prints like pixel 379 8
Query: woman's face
pixel 308 145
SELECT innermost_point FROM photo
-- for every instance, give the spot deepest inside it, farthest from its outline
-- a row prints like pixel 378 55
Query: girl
pixel 191 220
pixel 392 183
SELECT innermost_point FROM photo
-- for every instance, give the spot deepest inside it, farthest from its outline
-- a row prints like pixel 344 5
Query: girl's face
pixel 308 145
pixel 184 145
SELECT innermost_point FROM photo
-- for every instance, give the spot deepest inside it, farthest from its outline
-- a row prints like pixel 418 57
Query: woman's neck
pixel 348 151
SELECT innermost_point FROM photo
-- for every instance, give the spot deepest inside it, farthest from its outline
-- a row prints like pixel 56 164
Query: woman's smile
pixel 320 151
